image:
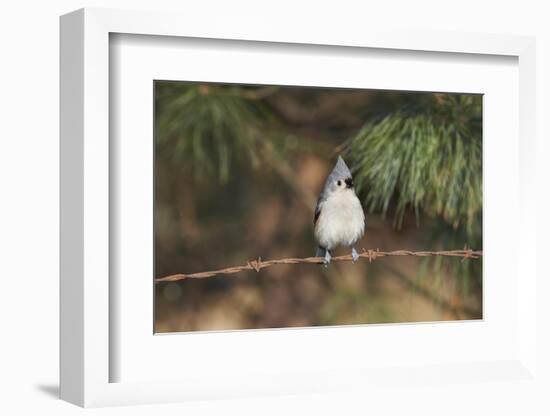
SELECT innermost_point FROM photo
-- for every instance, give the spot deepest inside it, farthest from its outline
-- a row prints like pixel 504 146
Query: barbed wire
pixel 370 254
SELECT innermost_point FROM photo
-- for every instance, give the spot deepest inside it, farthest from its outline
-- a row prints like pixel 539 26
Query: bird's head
pixel 340 178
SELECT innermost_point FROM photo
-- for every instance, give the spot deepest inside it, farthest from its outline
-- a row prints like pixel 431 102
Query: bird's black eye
pixel 339 183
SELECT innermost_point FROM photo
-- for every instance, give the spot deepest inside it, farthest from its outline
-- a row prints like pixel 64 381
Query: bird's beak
pixel 349 182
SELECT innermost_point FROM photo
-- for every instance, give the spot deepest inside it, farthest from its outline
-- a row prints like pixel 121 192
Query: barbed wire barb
pixel 369 254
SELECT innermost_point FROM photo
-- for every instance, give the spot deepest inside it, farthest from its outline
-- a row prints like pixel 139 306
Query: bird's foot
pixel 354 255
pixel 326 261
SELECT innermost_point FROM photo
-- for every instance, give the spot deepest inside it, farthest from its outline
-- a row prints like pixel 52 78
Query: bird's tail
pixel 320 252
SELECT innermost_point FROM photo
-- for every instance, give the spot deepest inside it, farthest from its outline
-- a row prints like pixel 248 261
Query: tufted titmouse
pixel 339 217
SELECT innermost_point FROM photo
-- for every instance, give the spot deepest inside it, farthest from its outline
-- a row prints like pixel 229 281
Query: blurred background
pixel 238 172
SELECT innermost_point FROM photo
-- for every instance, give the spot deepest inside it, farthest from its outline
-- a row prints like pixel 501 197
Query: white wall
pixel 29 190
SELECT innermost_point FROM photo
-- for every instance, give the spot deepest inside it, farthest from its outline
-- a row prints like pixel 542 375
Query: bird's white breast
pixel 341 221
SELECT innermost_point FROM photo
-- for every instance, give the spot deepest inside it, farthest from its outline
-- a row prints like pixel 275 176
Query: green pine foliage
pixel 427 158
pixel 207 127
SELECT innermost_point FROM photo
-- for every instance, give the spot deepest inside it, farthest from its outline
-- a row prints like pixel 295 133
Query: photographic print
pixel 292 206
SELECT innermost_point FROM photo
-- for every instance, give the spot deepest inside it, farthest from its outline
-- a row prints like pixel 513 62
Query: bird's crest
pixel 341 170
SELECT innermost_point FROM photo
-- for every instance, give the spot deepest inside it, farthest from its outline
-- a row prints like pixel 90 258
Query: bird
pixel 339 218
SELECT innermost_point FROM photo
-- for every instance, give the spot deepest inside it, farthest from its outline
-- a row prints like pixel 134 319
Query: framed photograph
pixel 280 213
pixel 244 172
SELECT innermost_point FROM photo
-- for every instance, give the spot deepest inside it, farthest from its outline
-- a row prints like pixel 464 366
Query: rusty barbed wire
pixel 369 254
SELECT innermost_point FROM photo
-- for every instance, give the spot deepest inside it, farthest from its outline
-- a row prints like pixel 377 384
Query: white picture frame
pixel 86 164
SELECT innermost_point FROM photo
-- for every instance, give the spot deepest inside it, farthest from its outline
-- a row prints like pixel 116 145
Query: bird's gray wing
pixel 318 209
pixel 320 251
pixel 317 213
